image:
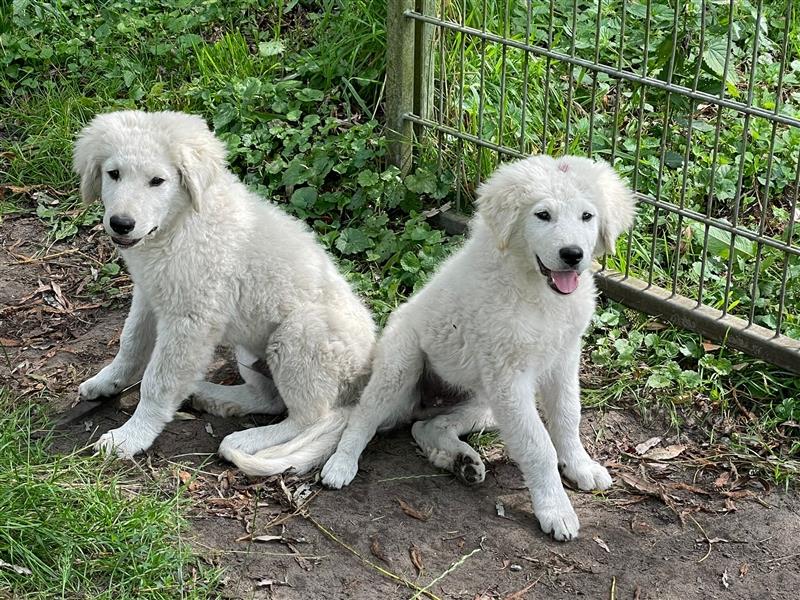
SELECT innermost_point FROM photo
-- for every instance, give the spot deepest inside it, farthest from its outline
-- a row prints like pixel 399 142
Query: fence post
pixel 423 62
pixel 400 33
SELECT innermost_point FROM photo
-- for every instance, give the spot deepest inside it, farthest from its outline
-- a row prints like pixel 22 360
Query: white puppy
pixel 214 264
pixel 501 323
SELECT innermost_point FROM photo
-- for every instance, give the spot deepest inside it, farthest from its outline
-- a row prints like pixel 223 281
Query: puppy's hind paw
pixel 469 469
pixel 339 471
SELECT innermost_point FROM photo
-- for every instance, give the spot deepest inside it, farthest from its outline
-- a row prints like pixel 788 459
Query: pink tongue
pixel 565 281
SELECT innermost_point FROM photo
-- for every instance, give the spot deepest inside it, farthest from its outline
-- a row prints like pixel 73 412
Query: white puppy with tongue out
pixel 500 326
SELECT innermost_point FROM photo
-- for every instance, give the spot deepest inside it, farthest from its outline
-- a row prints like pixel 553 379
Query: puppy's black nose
pixel 571 255
pixel 122 224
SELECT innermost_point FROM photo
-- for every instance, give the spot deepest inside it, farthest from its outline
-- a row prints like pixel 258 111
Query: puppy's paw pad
pixel 561 522
pixel 588 475
pixel 339 471
pixel 469 469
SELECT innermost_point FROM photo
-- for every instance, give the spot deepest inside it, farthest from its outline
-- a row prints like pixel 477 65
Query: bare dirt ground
pixel 681 522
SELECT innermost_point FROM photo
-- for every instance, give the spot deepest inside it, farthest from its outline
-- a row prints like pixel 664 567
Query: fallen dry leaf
pixel 709 347
pixel 646 445
pixel 184 416
pixel 743 569
pixel 640 484
pixel 667 453
pixel 9 343
pixel 413 512
pixel 266 538
pixel 377 551
pixel 722 480
pixel 416 558
pixel 599 541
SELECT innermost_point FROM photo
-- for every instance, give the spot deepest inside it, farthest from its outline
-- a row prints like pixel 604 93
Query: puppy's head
pixel 148 169
pixel 558 213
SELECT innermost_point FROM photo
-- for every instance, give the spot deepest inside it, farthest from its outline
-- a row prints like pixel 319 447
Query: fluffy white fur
pixel 493 325
pixel 214 264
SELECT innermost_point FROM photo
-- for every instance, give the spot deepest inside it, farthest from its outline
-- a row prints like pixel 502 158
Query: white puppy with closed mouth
pixel 213 264
pixel 500 324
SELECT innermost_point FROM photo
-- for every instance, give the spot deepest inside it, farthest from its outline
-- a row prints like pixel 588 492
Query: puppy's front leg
pixel 184 348
pixel 135 347
pixel 561 405
pixel 529 445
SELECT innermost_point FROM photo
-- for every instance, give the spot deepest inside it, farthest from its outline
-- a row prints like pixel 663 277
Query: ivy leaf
pixel 352 240
pixel 304 197
pixel 659 380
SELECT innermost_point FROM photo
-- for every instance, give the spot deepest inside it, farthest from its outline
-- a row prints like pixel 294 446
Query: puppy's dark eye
pixel 587 216
pixel 543 215
pixel 114 174
pixel 156 181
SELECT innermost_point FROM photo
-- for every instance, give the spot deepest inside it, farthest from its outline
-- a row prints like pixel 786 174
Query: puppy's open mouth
pixel 128 242
pixel 562 282
pixel 125 242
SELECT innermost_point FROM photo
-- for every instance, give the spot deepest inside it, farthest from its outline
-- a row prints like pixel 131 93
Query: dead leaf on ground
pixel 599 541
pixel 16 568
pixel 743 569
pixel 667 453
pixel 416 558
pixel 640 484
pixel 377 551
pixel 414 512
pixel 647 444
pixel 9 343
pixel 184 416
pixel 722 480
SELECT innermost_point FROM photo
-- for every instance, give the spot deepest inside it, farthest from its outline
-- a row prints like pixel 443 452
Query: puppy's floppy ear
pixel 200 157
pixel 499 205
pixel 89 152
pixel 616 207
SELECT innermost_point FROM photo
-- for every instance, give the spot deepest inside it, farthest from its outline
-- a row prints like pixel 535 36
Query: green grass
pixel 82 528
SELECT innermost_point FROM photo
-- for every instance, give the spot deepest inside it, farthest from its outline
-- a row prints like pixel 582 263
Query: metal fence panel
pixel 691 100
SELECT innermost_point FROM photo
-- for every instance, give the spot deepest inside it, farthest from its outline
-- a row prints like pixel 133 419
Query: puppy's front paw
pixel 558 520
pixel 339 471
pixel 125 442
pixel 587 475
pixel 102 385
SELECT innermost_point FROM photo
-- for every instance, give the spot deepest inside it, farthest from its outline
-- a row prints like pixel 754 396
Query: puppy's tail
pixel 310 449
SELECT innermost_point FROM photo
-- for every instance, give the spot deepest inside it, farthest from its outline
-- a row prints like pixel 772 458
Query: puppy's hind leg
pixel 438 437
pixel 306 366
pixel 388 399
pixel 257 395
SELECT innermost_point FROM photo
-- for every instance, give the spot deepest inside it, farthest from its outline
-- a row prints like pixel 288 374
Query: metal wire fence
pixel 693 101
